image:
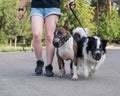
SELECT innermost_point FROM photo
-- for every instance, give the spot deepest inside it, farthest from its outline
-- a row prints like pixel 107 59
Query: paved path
pixel 17 78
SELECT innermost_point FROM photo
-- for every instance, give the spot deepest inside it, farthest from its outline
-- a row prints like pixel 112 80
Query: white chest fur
pixel 66 51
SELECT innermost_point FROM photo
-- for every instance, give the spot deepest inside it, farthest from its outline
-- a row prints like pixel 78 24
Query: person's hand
pixel 72 5
pixel 20 15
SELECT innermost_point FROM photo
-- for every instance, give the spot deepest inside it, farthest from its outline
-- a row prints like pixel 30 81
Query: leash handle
pixel 77 19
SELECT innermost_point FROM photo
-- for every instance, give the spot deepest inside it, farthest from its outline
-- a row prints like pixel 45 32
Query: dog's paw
pixel 78 73
pixel 62 72
pixel 86 76
pixel 60 75
pixel 91 73
pixel 75 77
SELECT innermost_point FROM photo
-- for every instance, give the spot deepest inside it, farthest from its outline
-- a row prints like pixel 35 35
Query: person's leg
pixel 37 25
pixel 50 25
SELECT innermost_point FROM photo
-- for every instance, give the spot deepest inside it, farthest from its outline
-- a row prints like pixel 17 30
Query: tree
pixel 83 11
pixel 12 27
pixel 109 25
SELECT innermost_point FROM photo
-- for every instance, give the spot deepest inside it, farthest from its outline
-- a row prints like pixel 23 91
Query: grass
pixel 4 48
pixel 13 49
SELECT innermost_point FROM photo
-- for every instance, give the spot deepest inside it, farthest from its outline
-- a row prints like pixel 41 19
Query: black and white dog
pixel 91 51
pixel 66 50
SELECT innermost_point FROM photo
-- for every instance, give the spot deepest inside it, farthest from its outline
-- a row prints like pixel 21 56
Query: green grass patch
pixel 4 48
pixel 13 49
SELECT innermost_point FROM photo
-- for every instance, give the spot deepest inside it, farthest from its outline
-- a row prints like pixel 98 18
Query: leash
pixel 77 19
pixel 68 13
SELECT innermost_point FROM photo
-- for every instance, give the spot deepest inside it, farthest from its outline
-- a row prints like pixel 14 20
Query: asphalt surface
pixel 17 78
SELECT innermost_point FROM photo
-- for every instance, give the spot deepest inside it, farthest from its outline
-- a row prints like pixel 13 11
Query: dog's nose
pixel 56 42
pixel 96 55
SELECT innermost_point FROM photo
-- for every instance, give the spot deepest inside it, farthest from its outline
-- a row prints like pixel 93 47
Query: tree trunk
pixel 24 41
pixel 24 44
pixel 31 45
pixel 10 42
pixel 109 4
pixel 15 42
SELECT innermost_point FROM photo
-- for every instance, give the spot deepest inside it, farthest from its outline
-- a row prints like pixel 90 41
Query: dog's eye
pixel 60 34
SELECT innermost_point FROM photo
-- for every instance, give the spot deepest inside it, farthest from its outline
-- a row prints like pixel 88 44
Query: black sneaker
pixel 39 67
pixel 48 70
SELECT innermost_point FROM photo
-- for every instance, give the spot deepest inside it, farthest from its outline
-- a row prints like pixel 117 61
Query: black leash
pixel 77 19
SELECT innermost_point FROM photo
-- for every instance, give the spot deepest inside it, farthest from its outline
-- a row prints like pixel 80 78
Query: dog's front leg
pixel 75 70
pixel 100 62
pixel 61 67
pixel 71 67
pixel 79 63
pixel 75 76
pixel 91 69
pixel 97 65
pixel 85 69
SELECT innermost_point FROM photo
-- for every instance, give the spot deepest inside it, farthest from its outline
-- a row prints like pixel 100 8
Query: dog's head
pixel 97 47
pixel 79 33
pixel 61 35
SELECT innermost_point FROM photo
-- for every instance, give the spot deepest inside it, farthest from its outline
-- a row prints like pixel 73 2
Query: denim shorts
pixel 44 12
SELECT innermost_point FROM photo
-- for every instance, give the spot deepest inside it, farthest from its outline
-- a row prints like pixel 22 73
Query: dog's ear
pixel 90 42
pixel 66 25
pixel 90 38
pixel 104 43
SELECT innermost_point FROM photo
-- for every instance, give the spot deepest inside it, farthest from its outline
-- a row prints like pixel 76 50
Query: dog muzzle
pixel 97 54
pixel 59 41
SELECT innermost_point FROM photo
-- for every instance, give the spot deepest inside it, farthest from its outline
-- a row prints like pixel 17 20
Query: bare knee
pixel 36 37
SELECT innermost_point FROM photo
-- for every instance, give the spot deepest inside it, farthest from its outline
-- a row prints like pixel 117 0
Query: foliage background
pixel 99 16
